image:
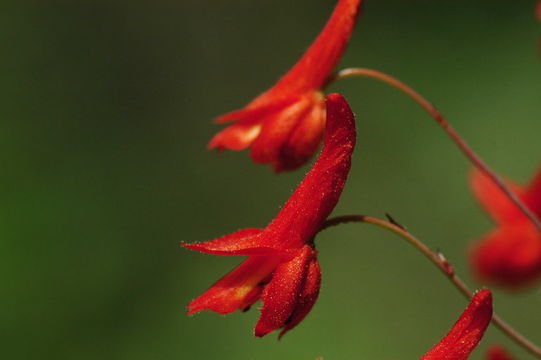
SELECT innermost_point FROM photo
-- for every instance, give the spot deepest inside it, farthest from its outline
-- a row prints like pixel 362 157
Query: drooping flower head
pixel 282 267
pixel 467 331
pixel 510 255
pixel 284 125
pixel 497 352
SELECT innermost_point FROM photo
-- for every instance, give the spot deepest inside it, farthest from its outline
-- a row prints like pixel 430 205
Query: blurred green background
pixel 106 108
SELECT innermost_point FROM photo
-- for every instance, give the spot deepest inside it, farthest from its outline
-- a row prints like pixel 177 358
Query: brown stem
pixel 441 262
pixel 444 124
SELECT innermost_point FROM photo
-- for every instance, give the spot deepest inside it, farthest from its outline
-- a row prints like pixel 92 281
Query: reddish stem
pixel 443 264
pixel 449 130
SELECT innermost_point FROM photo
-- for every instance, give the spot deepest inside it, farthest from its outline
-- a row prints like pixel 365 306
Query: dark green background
pixel 105 110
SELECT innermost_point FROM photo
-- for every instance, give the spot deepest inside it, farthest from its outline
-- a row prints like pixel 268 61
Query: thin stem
pixel 441 262
pixel 444 124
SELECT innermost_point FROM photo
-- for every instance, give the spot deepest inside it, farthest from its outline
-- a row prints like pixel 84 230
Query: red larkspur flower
pixel 284 125
pixel 282 267
pixel 497 352
pixel 510 255
pixel 467 331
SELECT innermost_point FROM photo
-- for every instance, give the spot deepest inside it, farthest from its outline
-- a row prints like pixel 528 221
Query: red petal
pixel 509 256
pixel 242 242
pixel 494 200
pixel 280 296
pixel 467 331
pixel 238 289
pixel 307 296
pixel 497 352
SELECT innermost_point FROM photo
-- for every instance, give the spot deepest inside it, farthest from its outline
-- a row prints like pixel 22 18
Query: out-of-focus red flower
pixel 497 352
pixel 510 255
pixel 284 125
pixel 282 267
pixel 467 331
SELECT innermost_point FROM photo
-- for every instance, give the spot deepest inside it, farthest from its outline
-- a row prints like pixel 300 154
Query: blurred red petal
pixel 497 352
pixel 509 256
pixel 494 201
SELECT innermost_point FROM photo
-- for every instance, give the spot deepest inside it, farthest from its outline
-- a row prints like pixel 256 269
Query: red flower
pixel 282 267
pixel 510 255
pixel 284 125
pixel 497 352
pixel 467 331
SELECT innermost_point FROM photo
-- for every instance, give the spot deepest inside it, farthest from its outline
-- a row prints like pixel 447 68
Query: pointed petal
pixel 494 200
pixel 260 107
pixel 237 290
pixel 281 295
pixel 509 256
pixel 317 63
pixel 242 242
pixel 497 352
pixel 467 331
pixel 532 196
pixel 307 296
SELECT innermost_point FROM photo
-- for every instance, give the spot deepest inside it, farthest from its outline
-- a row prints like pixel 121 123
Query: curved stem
pixel 441 262
pixel 444 124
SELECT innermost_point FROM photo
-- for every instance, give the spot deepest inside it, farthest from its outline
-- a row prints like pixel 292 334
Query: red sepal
pixel 467 331
pixel 317 195
pixel 242 242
